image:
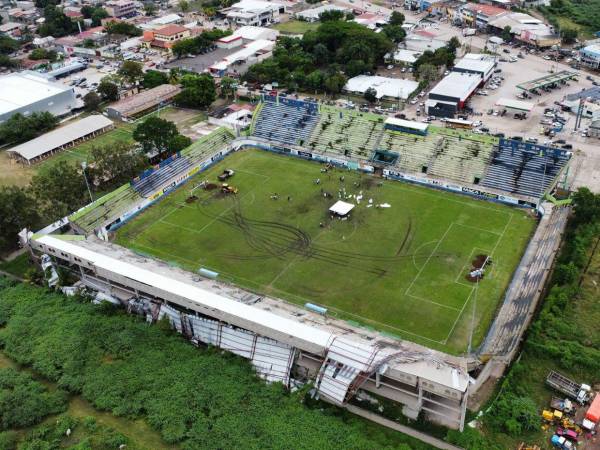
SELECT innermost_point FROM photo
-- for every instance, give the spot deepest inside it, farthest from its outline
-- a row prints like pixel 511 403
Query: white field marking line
pixel 417 251
pixel 459 315
pixel 428 258
pixel 479 229
pixel 474 287
pixel 423 299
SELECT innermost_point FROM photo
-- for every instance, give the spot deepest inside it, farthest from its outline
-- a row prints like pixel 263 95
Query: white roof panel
pixel 457 84
pixel 20 89
pixel 407 123
pixel 61 136
pixel 515 104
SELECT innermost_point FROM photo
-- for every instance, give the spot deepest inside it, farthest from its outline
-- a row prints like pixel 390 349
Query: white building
pixel 28 92
pixel 385 87
pixel 254 12
pixel 476 63
pixel 238 62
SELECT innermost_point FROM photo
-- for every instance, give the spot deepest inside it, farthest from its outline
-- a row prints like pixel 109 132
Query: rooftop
pixel 476 62
pixel 385 87
pixel 488 10
pixel 20 89
pixel 515 104
pixel 61 136
pixel 411 124
pixel 457 84
pixel 171 30
pixel 133 104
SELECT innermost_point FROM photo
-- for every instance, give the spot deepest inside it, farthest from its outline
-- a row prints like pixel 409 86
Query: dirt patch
pixel 477 263
pixel 191 199
pixel 210 186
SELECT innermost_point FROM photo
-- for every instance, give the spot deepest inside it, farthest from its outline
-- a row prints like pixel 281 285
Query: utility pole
pixel 83 166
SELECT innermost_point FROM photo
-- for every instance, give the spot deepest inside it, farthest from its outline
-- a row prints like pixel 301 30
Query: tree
pixel 569 35
pixel 131 71
pixel 92 101
pixel 123 28
pixel 227 86
pixel 428 73
pixel 155 134
pixel 178 143
pixel 17 211
pixel 150 8
pixel 108 89
pixel 506 34
pixel 20 128
pixel 370 95
pixel 586 205
pixel 115 163
pixel 41 53
pixel 335 83
pixel 198 91
pixel 8 45
pixel 184 5
pixel 453 44
pixel 56 23
pixel 59 190
pixel 331 15
pixel 153 78
pixel 397 18
pixel 395 33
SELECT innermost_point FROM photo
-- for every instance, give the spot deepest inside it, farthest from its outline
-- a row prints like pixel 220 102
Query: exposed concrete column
pixel 463 409
pixel 420 389
pixel 377 379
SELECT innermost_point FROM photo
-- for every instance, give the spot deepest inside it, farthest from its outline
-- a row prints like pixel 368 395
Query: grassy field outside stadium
pixel 400 269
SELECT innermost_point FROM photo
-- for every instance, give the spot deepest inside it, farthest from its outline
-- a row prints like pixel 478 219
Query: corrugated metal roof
pixel 62 136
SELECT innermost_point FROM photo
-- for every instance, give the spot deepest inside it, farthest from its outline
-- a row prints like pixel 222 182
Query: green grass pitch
pixel 401 269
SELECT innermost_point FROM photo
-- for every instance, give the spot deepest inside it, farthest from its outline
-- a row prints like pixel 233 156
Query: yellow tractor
pixel 227 189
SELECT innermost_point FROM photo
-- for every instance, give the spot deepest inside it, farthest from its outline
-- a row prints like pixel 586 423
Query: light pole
pixel 83 166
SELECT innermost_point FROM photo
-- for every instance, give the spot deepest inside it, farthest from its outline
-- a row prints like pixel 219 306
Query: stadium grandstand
pixel 143 102
pixel 524 171
pixel 347 132
pixel 433 152
pixel 289 122
pixel 109 208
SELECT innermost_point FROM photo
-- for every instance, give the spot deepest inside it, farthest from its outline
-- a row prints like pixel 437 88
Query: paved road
pixel 525 289
pixel 438 443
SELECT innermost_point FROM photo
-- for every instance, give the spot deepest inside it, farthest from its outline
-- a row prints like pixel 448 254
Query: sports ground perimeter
pixel 402 270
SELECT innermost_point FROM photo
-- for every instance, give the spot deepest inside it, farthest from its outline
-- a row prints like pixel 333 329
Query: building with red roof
pixel 478 15
pixel 165 37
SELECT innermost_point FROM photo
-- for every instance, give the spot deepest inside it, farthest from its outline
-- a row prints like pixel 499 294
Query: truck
pixel 592 415
pixel 562 404
pixel 468 31
pixel 576 391
pixel 562 442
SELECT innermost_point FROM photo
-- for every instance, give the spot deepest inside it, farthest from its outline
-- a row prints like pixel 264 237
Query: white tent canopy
pixel 341 208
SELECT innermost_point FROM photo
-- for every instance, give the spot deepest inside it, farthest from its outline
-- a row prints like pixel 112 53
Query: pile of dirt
pixel 476 264
pixel 191 199
pixel 210 186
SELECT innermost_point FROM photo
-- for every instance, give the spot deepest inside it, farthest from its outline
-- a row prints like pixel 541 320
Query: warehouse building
pixel 476 63
pixel 60 139
pixel 451 93
pixel 253 12
pixel 143 102
pixel 28 92
pixel 386 88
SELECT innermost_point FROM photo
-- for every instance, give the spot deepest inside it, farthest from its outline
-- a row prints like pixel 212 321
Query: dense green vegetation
pixel 323 59
pixel 19 128
pixel 123 28
pixel 200 398
pixel 56 23
pixel 565 337
pixel 25 402
pixel 198 44
pixel 585 13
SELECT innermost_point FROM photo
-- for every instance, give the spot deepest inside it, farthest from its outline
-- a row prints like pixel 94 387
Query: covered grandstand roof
pixel 60 137
pixel 144 100
pixel 515 104
pixel 419 126
pixel 385 87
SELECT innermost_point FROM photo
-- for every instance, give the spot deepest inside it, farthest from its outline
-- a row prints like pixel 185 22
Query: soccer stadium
pixel 329 245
